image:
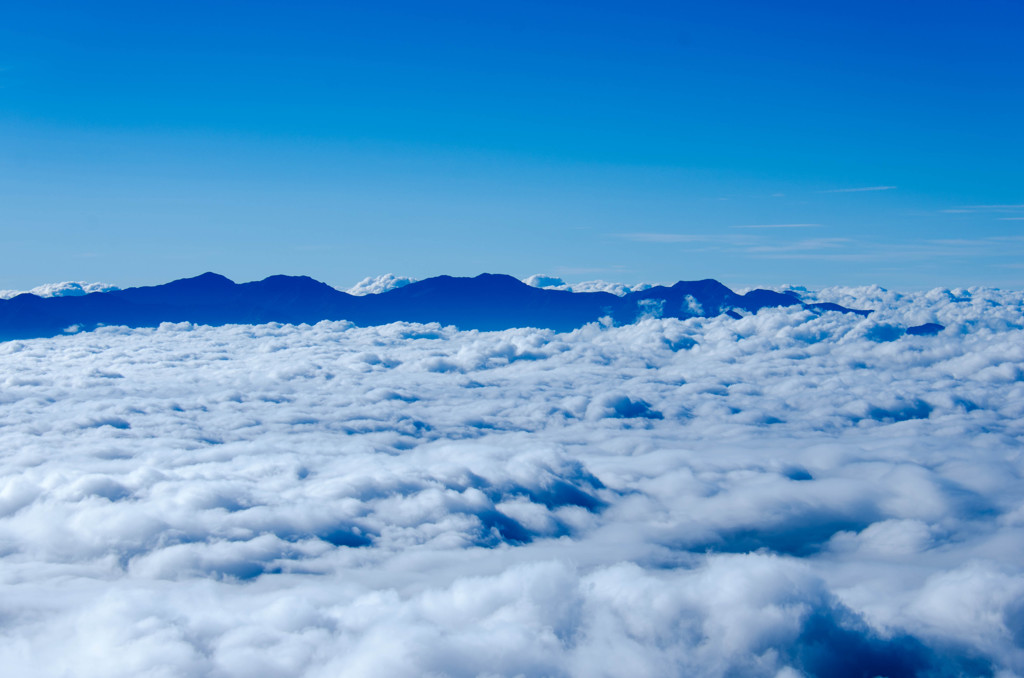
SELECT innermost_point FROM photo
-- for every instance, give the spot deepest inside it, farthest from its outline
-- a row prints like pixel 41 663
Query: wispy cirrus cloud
pixel 779 226
pixel 981 209
pixel 860 189
pixel 808 245
pixel 773 241
pixel 843 249
pixel 706 237
pixel 667 237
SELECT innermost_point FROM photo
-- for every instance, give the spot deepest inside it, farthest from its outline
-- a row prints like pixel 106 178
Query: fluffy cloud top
pixel 61 289
pixel 788 493
pixel 552 283
pixel 378 284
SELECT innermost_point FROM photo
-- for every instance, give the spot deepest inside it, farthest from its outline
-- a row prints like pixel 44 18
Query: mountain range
pixel 485 302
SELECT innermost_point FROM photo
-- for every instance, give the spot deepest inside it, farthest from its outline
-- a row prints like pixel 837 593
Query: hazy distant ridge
pixel 486 302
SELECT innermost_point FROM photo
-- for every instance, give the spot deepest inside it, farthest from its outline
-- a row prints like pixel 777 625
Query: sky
pixel 755 143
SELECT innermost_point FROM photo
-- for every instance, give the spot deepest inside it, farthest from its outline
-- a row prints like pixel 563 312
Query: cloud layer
pixel 618 289
pixel 61 289
pixel 782 494
pixel 378 284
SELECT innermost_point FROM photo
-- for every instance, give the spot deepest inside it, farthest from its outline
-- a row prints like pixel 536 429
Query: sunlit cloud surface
pixel 782 494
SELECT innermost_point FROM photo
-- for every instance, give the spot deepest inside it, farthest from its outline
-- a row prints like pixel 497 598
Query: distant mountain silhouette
pixel 486 302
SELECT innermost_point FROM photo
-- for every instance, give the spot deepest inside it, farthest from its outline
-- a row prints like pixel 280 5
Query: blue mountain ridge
pixel 486 302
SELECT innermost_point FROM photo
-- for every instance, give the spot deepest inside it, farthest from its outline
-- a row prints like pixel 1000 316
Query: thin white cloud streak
pixel 972 209
pixel 779 226
pixel 860 189
pixel 411 499
pixel 757 244
pixel 861 251
pixel 808 245
pixel 667 237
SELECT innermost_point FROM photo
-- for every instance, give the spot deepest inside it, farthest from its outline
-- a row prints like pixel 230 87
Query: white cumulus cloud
pixel 61 289
pixel 553 283
pixel 788 493
pixel 378 284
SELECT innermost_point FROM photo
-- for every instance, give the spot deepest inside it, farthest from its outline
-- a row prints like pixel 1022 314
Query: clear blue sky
pixel 146 141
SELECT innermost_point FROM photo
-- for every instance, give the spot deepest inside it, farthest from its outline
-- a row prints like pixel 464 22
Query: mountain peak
pixel 208 280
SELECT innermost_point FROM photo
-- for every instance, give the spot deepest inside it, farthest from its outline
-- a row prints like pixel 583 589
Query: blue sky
pixel 756 143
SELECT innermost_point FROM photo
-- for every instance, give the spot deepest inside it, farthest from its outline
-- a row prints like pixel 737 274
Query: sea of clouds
pixel 783 494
